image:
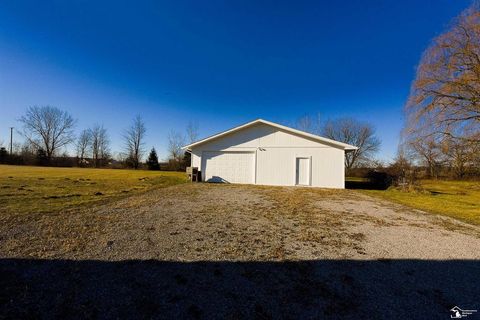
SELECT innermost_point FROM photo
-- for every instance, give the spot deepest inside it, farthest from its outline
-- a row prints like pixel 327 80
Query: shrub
pixel 380 179
pixel 3 155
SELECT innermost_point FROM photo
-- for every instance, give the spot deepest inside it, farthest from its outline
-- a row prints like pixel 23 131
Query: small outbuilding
pixel 265 153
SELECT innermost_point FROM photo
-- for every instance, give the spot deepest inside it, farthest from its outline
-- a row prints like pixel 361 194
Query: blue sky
pixel 220 63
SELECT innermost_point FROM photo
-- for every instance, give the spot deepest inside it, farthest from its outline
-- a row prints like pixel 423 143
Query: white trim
pixel 342 145
pixel 310 175
pixel 295 170
pixel 309 158
pixel 255 167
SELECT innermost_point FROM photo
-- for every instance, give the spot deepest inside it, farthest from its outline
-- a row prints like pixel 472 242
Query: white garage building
pixel 266 153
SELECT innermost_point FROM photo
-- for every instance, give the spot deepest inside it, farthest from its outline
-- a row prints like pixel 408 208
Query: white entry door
pixel 228 167
pixel 303 171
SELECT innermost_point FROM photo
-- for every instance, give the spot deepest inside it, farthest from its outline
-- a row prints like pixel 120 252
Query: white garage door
pixel 230 167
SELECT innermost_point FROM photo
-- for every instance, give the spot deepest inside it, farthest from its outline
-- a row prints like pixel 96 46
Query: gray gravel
pixel 223 251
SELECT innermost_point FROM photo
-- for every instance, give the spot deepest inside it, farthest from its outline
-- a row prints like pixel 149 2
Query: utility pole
pixel 11 140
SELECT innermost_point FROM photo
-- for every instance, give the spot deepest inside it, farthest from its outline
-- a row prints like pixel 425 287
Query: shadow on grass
pixel 343 289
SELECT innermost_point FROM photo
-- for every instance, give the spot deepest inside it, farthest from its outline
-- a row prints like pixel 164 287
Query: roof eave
pixel 345 146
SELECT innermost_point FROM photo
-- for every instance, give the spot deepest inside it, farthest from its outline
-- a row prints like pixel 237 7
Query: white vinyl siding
pixel 272 153
pixel 277 166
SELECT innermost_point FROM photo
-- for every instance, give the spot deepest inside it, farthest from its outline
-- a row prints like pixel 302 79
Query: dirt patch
pixel 394 231
pixel 231 222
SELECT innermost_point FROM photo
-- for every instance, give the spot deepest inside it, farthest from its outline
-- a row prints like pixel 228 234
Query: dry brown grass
pixel 312 224
pixel 28 190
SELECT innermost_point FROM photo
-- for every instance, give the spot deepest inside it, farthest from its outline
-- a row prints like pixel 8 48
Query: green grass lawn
pixel 26 189
pixel 456 199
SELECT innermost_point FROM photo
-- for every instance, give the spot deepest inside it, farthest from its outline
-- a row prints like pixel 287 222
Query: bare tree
pixel 192 131
pixel 175 142
pixel 359 134
pixel 100 144
pixel 309 123
pixel 462 155
pixel 134 141
pixel 429 152
pixel 83 144
pixel 424 147
pixel 445 95
pixel 48 128
pixel 17 147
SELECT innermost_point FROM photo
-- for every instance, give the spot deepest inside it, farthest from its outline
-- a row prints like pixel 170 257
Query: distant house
pixel 265 153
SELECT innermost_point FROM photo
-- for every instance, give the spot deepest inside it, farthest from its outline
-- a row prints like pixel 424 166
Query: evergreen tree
pixel 152 161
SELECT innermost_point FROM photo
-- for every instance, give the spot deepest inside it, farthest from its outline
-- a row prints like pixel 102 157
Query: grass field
pixel 26 189
pixel 456 199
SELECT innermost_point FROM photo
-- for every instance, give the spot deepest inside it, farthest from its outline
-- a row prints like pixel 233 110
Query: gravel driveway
pixel 226 251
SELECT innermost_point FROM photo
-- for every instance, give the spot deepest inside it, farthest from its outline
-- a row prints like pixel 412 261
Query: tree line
pixel 48 130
